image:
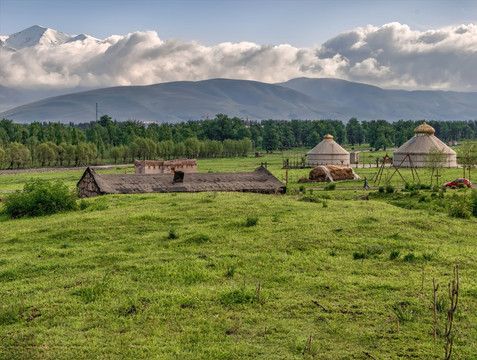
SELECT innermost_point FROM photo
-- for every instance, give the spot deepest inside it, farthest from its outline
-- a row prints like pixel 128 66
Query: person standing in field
pixel 366 186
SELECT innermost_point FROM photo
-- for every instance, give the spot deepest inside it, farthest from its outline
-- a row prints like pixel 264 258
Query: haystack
pixel 330 173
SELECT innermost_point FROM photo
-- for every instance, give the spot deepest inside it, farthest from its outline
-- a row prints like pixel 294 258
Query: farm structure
pixel 164 167
pixel 328 152
pixel 259 181
pixel 420 146
pixel 330 173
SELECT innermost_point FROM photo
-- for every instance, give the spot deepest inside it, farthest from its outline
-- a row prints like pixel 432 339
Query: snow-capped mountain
pixel 38 35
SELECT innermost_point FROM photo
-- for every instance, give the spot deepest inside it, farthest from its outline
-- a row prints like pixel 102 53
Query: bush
pixel 423 198
pixel 330 186
pixel 251 221
pixel 473 202
pixel 199 239
pixel 394 254
pixel 39 198
pixel 172 234
pixel 310 198
pixel 381 189
pixel 389 189
pixel 410 257
pixel 460 208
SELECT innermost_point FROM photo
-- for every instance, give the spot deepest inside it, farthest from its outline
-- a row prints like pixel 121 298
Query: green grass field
pixel 235 275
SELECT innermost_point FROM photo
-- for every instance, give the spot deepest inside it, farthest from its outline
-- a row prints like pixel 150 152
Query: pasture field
pixel 327 275
pixel 274 163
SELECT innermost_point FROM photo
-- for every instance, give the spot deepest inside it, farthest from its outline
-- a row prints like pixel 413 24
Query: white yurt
pixel 328 152
pixel 419 147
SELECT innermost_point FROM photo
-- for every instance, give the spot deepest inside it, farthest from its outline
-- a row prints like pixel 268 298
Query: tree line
pixel 46 144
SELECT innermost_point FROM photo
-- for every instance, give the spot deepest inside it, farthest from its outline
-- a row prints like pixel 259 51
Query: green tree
pixel 467 155
pixel 46 153
pixel 179 149
pixel 435 160
pixel 3 157
pixel 18 155
pixel 354 132
pixel 115 153
pixel 192 146
pixel 271 140
pixel 313 139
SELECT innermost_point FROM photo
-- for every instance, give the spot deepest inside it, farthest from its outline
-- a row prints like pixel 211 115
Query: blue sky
pixel 299 23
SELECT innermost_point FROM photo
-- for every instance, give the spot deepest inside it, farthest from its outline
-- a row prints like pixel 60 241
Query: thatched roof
pixel 260 181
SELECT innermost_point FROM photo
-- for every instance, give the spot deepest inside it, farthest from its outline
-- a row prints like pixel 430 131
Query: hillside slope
pixel 389 104
pixel 180 101
pixel 300 98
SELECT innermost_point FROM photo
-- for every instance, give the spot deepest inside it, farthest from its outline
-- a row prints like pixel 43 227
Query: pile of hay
pixel 330 173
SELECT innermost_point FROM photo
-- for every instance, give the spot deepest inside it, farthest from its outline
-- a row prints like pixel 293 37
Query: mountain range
pixel 299 98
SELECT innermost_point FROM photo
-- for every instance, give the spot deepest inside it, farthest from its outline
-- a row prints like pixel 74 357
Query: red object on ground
pixel 457 183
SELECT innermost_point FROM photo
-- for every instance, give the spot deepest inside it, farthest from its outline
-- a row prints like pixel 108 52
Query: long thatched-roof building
pixel 420 146
pixel 259 181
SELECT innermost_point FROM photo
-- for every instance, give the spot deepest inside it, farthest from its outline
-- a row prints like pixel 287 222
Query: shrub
pixel 410 257
pixel 423 198
pixel 302 188
pixel 230 272
pixel 473 202
pixel 381 189
pixel 460 208
pixel 172 234
pixel 368 251
pixel 330 186
pixel 39 198
pixel 394 254
pixel 251 221
pixel 310 198
pixel 360 255
pixel 389 189
pixel 199 239
pixel 236 297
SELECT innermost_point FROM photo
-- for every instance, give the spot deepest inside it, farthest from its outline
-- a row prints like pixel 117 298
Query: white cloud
pixel 392 55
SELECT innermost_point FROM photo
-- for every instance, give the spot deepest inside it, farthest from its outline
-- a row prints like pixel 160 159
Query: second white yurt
pixel 328 152
pixel 420 146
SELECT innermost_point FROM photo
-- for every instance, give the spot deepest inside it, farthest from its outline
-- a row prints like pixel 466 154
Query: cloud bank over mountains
pixel 390 56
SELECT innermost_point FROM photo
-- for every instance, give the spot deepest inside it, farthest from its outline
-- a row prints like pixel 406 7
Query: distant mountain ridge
pixel 300 98
pixel 38 35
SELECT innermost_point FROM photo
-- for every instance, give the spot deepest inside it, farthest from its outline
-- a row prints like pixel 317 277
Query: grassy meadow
pixel 313 275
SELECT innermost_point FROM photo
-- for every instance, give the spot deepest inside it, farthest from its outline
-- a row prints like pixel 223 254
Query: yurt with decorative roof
pixel 328 152
pixel 419 148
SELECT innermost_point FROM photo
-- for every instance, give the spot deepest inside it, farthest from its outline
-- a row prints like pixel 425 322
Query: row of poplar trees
pixel 47 144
